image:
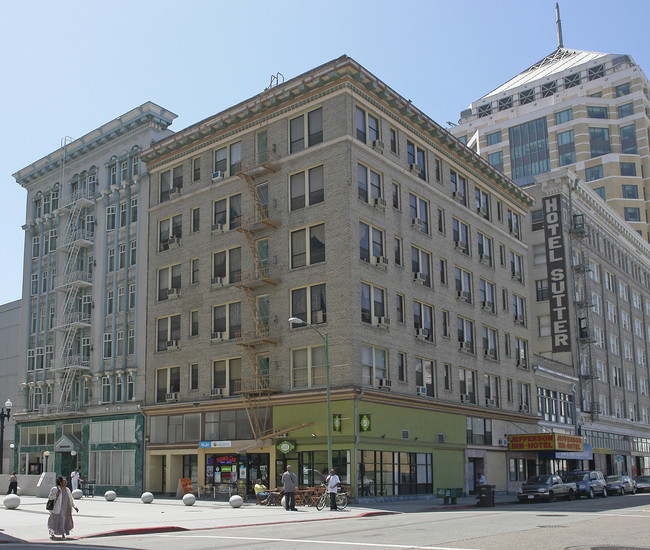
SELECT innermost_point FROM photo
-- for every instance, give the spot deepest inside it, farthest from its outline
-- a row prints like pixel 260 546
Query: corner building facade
pixel 84 305
pixel 332 199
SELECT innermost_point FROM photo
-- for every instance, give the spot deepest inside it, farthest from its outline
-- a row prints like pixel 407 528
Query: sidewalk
pixel 130 516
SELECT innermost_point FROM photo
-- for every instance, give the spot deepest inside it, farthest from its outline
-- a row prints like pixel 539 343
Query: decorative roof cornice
pixel 146 115
pixel 339 74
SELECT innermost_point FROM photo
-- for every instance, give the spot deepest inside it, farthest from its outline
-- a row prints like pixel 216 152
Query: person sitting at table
pixel 261 491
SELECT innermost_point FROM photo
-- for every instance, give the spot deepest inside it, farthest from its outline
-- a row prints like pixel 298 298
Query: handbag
pixel 49 505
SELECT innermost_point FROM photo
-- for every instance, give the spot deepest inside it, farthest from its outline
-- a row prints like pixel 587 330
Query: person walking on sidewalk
pixel 60 522
pixel 289 480
pixel 333 484
pixel 13 484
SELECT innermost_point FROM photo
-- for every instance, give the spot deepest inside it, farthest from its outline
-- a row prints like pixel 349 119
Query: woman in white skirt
pixel 60 522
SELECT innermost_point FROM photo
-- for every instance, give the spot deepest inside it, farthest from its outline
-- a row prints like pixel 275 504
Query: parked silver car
pixel 642 484
pixel 619 485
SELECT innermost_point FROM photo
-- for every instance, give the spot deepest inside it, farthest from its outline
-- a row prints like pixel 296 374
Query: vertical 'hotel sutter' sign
pixel 557 274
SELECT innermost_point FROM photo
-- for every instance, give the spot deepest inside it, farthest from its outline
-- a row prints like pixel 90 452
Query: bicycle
pixel 324 500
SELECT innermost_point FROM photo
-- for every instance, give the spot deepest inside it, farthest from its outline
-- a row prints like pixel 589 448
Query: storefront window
pixel 392 473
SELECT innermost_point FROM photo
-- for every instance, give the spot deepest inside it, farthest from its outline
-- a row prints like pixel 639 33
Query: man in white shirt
pixel 74 478
pixel 333 483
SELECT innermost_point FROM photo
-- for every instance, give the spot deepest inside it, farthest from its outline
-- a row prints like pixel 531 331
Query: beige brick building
pixel 331 198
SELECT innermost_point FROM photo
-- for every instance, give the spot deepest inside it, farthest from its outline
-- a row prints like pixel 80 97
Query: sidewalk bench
pixel 450 495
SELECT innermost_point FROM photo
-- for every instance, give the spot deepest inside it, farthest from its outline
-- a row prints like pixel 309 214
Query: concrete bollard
pixel 12 502
pixel 147 497
pixel 77 494
pixel 189 499
pixel 236 501
pixel 110 495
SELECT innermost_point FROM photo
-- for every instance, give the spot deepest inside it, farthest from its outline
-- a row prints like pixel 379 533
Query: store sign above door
pixel 286 446
pixel 545 442
pixel 214 444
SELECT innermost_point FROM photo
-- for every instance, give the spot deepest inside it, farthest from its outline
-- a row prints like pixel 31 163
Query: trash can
pixel 486 496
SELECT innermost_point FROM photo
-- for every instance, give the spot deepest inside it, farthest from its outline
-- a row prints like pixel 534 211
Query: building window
pixel 374 364
pixel 632 214
pixel 168 381
pixel 458 187
pixel 226 321
pixel 396 195
pixel 425 376
pixel 167 329
pixel 629 169
pixel 446 324
pixel 441 221
pixel 484 110
pixel 563 116
pixel 465 330
pixel 517 266
pixel 373 303
pixel 398 252
pixel 443 271
pixel 227 160
pixel 463 280
pixel 401 366
pixel 485 248
pixel 132 296
pixel 521 352
pixel 599 141
pixel 419 212
pixel 467 383
pixel 400 306
pixel 194 322
pixel 193 376
pixel 169 282
pixel 308 367
pixel 310 125
pixel 196 220
pixel 108 345
pixel 566 147
pixel 549 89
pixel 596 72
pixel 369 184
pixel 628 140
pixel 416 157
pixel 523 394
pixel 496 160
pixel 490 342
pixel 572 80
pixel 393 140
pixel 519 309
pixel 526 96
pixel 542 290
pixel 423 321
pixel 194 271
pixel 307 188
pixel 226 267
pixel 309 304
pixel 487 296
pixel 460 232
pixel 170 231
pixel 226 375
pixel 625 110
pixel 367 126
pixel 308 246
pixel 421 266
pixel 196 169
pixel 529 152
pixel 623 89
pixel 514 224
pixel 493 137
pixel 596 111
pixel 504 103
pixel 226 213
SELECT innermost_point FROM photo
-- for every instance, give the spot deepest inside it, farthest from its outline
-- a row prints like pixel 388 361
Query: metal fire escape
pixel 584 305
pixel 256 391
pixel 75 313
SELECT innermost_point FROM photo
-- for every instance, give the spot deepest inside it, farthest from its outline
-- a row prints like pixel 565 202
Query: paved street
pixel 612 523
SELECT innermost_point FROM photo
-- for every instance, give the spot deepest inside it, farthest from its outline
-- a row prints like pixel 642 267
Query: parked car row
pixel 587 483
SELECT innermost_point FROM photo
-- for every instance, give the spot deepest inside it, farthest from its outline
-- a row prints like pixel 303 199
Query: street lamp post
pixel 3 415
pixel 325 339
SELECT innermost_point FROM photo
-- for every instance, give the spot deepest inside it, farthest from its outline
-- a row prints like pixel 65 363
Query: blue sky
pixel 73 65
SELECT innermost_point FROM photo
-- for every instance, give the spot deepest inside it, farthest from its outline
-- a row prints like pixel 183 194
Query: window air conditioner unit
pixel 421 333
pixel 384 383
pixel 383 322
pixel 523 408
pixel 378 145
pixel 218 175
pixel 420 278
pixel 462 295
pixel 484 259
pixel 458 196
pixel 482 212
pixel 489 306
pixel 503 442
pixel 490 353
pixel 522 363
pixel 465 346
pixel 421 391
pixel 175 191
pixel 171 396
pixel 415 169
pixel 217 228
pixel 464 398
pixel 490 402
pixel 218 336
pixel 516 275
pixel 381 261
pixel 174 242
pixel 379 202
pixel 173 293
pixel 216 392
pixel 459 245
pixel 173 344
pixel 319 316
pixel 217 282
pixel 417 223
pixel 519 319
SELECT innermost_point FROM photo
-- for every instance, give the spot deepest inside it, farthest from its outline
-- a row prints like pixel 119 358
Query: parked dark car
pixel 619 485
pixel 588 483
pixel 642 484
pixel 546 487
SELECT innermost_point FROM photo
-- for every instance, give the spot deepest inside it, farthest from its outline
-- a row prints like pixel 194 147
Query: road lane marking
pixel 315 541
